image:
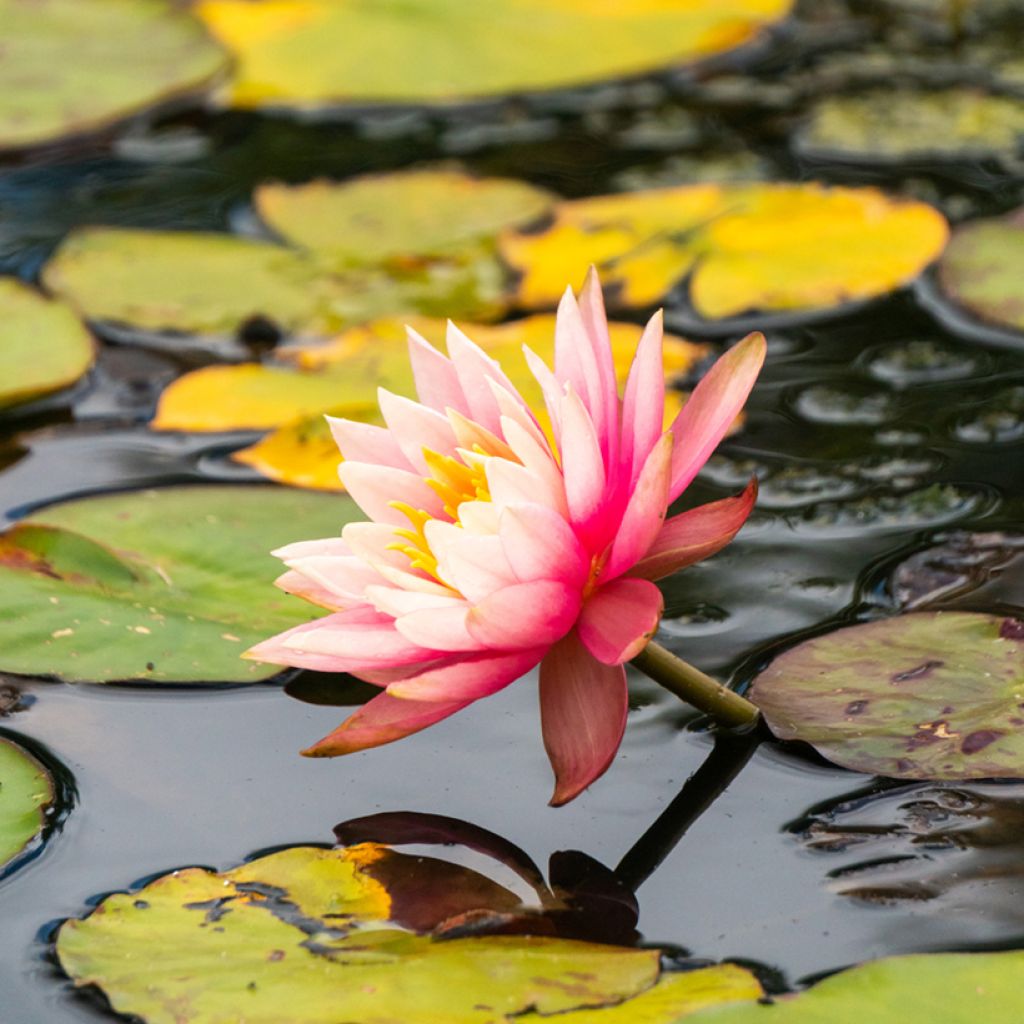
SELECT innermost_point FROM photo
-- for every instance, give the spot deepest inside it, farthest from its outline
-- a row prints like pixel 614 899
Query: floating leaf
pixel 982 267
pixel 164 585
pixel 25 791
pixel 943 988
pixel 927 695
pixel 70 67
pixel 901 124
pixel 744 247
pixel 302 53
pixel 303 935
pixel 342 378
pixel 43 345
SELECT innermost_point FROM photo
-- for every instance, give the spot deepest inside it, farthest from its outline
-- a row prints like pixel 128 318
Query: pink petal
pixel 382 720
pixel 535 455
pixel 375 488
pixel 415 427
pixel 549 386
pixel 643 403
pixel 619 619
pixel 696 534
pixel 341 578
pixel 443 628
pixel 469 677
pixel 475 368
pixel 470 436
pixel 645 512
pixel 583 706
pixel 583 469
pixel 540 545
pixel 473 564
pixel 437 383
pixel 510 483
pixel 297 585
pixel 393 601
pixel 711 409
pixel 302 548
pixel 374 544
pixel 364 442
pixel 525 614
pixel 513 406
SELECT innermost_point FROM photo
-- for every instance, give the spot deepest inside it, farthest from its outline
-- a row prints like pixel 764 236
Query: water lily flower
pixel 499 538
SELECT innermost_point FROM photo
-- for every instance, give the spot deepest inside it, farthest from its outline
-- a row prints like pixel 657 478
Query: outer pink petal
pixel 549 386
pixel 475 368
pixel 712 407
pixel 583 706
pixel 525 615
pixel 302 548
pixel 297 585
pixel 619 619
pixel 468 678
pixel 643 403
pixel 382 720
pixel 442 628
pixel 415 427
pixel 343 576
pixel 695 535
pixel 540 545
pixel 374 488
pixel 364 442
pixel 645 512
pixel 437 383
pixel 583 468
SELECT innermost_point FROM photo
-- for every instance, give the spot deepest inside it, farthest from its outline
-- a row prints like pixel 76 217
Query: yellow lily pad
pixel 43 346
pixel 70 67
pixel 308 53
pixel 742 248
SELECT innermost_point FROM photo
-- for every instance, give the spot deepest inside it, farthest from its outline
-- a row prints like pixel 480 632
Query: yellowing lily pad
pixel 308 53
pixel 982 268
pixel 926 695
pixel 168 585
pixel 742 248
pixel 70 67
pixel 942 988
pixel 901 124
pixel 26 790
pixel 303 935
pixel 43 346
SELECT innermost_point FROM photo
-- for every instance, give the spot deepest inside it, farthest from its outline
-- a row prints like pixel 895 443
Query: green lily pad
pixel 982 267
pixel 927 695
pixel 902 124
pixel 70 67
pixel 26 789
pixel 308 53
pixel 43 345
pixel 941 988
pixel 165 585
pixel 304 935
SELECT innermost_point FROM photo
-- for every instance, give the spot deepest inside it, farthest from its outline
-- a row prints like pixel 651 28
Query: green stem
pixel 727 708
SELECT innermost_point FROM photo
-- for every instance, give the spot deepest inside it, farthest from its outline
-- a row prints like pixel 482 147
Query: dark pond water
pixel 873 437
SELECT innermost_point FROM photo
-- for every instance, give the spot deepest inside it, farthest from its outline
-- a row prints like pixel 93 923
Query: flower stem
pixel 727 708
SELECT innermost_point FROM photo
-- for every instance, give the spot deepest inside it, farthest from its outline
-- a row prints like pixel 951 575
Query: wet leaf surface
pixel 927 695
pixel 43 345
pixel 299 53
pixel 71 67
pixel 166 585
pixel 26 790
pixel 739 247
pixel 309 935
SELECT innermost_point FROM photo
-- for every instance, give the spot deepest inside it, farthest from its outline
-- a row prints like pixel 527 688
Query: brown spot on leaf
pixel 275 954
pixel 856 707
pixel 978 740
pixel 921 671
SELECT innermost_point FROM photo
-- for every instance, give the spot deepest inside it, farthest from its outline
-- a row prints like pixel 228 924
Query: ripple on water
pixel 843 406
pixel 997 420
pixel 923 361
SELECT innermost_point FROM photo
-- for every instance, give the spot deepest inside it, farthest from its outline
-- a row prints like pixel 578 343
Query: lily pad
pixel 26 790
pixel 43 345
pixel 740 248
pixel 166 585
pixel 943 988
pixel 70 67
pixel 927 695
pixel 903 124
pixel 309 53
pixel 982 267
pixel 304 935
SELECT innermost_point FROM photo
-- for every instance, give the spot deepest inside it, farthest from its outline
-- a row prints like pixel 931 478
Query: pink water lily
pixel 496 542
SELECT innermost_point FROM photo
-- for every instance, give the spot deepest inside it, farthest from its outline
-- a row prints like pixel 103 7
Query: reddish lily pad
pixel 927 695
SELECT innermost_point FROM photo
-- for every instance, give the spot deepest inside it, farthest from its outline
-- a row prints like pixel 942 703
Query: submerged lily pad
pixel 740 247
pixel 43 345
pixel 166 585
pixel 307 53
pixel 926 695
pixel 982 268
pixel 26 790
pixel 902 124
pixel 70 67
pixel 306 935
pixel 943 988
